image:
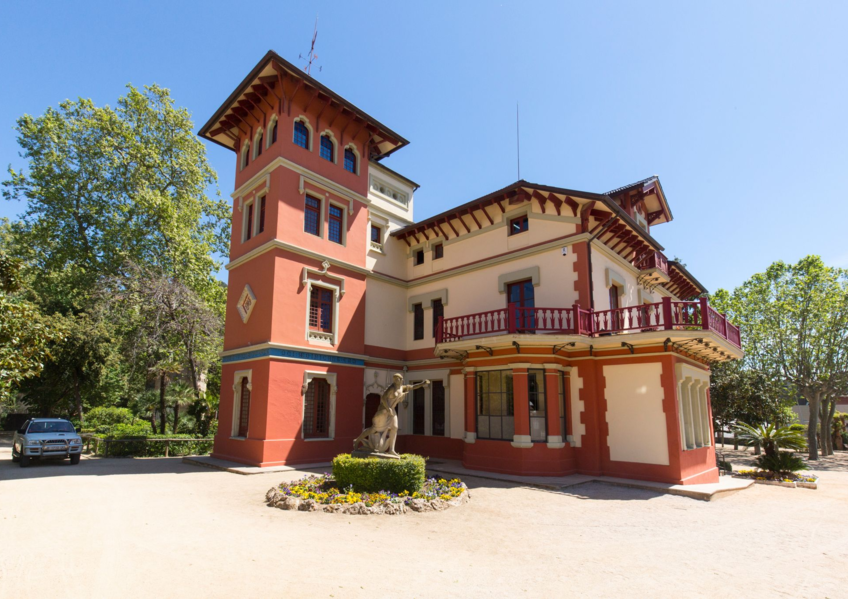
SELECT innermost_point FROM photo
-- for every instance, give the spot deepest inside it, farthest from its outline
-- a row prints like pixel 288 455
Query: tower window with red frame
pixel 316 410
pixel 336 224
pixel 350 161
pixel 301 135
pixel 312 216
pixel 321 310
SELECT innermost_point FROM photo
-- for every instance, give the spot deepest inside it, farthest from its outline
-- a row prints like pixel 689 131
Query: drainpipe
pixel 589 257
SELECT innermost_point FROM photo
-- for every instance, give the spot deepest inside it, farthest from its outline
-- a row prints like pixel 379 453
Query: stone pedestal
pixel 370 453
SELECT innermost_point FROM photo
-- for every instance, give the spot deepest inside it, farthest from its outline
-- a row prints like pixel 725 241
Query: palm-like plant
pixel 771 438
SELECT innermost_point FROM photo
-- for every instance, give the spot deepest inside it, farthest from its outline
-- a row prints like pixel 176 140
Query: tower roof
pixel 275 83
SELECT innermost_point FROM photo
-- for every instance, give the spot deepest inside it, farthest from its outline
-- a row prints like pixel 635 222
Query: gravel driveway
pixel 157 527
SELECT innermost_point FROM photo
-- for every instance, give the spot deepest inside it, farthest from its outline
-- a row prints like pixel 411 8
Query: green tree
pixel 103 188
pixel 26 334
pixel 795 330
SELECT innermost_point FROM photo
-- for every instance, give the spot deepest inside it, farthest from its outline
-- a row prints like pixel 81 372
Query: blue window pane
pixel 350 161
pixel 335 224
pixel 311 216
pixel 301 135
pixel 326 148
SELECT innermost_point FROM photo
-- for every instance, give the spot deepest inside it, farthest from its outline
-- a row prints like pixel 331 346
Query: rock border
pixel 286 502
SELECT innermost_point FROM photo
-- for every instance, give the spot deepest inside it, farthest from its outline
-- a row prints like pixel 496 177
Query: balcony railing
pixel 664 315
pixel 653 260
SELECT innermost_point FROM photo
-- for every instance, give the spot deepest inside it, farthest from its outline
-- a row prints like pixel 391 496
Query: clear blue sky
pixel 739 107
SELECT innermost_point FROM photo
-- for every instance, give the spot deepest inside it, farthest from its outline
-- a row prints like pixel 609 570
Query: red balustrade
pixel 653 260
pixel 665 315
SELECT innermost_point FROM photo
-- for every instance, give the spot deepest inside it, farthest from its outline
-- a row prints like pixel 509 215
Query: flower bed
pixel 786 480
pixel 320 493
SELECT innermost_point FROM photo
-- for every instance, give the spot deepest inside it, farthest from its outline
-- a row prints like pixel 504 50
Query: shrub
pixel 139 429
pixel 107 417
pixel 782 462
pixel 369 475
pixel 144 446
pixel 770 437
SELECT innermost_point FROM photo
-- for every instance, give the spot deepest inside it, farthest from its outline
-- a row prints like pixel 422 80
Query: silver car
pixel 46 438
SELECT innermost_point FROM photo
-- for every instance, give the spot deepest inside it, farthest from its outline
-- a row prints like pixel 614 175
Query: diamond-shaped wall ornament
pixel 246 303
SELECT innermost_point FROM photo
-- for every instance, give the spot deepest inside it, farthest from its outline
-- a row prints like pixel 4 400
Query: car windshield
pixel 51 427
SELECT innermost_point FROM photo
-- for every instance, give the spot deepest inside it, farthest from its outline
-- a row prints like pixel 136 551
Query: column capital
pixel 525 365
pixel 522 441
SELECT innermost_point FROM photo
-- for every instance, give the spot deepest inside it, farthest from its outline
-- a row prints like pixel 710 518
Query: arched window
pixel 245 155
pixel 257 145
pixel 272 131
pixel 301 135
pixel 350 161
pixel 328 148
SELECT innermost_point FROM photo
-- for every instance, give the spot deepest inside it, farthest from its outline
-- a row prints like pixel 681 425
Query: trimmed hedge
pixel 369 475
pixel 142 447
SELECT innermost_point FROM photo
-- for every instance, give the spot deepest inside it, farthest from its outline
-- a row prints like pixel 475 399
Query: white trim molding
pixel 238 375
pixel 330 377
pixel 531 273
pixel 325 266
pixel 616 279
pixel 426 299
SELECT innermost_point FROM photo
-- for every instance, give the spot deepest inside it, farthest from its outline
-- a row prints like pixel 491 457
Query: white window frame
pixel 301 118
pixel 343 208
pixel 257 142
pixel 270 129
pixel 383 224
pixel 237 377
pixel 321 209
pixel 352 147
pixel 332 137
pixel 321 337
pixel 245 152
pixel 330 377
pixel 245 214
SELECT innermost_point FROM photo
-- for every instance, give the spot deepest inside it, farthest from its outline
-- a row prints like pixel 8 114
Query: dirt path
pixel 157 527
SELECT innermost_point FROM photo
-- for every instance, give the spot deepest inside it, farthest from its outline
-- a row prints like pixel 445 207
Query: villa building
pixel 556 335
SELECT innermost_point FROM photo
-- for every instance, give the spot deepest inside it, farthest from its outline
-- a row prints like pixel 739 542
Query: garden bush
pixel 145 446
pixel 369 475
pixel 97 417
pixel 782 462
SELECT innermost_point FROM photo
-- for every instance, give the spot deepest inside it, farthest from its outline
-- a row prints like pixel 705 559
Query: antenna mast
pixel 311 56
pixel 518 141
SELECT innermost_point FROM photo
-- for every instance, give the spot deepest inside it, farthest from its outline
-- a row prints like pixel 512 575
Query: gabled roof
pixel 530 190
pixel 646 188
pixel 266 85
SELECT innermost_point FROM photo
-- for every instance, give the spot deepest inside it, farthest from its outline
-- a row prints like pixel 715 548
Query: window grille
pixel 327 148
pixel 336 220
pixel 312 216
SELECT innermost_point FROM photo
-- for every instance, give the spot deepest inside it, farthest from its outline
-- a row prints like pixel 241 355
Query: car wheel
pixel 24 461
pixel 75 459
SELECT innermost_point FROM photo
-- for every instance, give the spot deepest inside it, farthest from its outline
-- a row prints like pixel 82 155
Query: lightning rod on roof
pixel 311 57
pixel 517 142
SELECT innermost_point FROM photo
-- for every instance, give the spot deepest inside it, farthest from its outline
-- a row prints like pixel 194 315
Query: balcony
pixel 653 268
pixel 665 315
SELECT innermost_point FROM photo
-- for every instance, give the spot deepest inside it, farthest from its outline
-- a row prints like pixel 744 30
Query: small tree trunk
pixel 812 442
pixel 176 416
pixel 163 411
pixel 830 412
pixel 153 422
pixel 756 449
pixel 78 397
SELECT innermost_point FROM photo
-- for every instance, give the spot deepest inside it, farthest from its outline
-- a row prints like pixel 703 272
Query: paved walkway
pixel 160 528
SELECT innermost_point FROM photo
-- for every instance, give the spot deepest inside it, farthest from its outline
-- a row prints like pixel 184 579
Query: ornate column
pixel 470 375
pixel 556 435
pixel 521 406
